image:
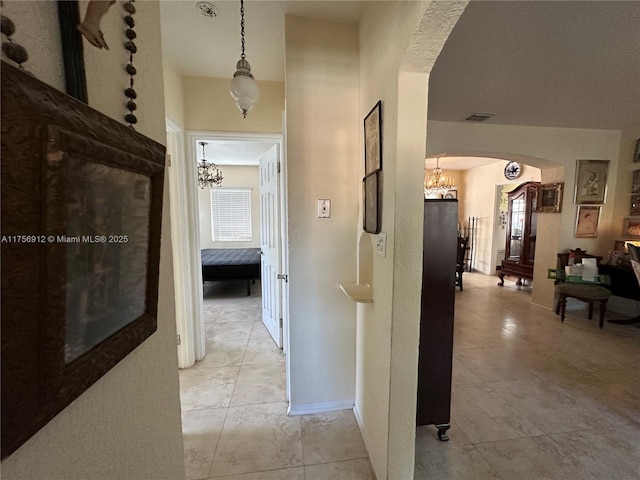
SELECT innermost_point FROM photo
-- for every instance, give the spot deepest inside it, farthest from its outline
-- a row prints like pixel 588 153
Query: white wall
pixel 127 425
pixel 399 42
pixel 554 151
pixel 234 176
pixel 322 163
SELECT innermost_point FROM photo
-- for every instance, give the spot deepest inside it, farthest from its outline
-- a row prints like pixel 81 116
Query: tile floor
pixel 532 399
pixel 234 410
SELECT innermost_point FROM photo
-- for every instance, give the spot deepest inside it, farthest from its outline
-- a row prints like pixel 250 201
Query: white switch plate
pixel 324 208
pixel 381 244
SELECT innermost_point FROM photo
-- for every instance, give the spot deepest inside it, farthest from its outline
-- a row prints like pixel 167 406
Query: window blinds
pixel 231 214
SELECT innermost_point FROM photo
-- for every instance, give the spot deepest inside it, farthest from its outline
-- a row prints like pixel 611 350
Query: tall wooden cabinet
pixel 437 311
pixel 522 224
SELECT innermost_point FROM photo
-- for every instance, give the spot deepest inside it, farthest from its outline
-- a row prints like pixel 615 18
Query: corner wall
pixel 127 425
pixel 322 163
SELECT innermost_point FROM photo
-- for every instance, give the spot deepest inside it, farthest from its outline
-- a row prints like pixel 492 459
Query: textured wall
pixel 322 162
pixel 127 425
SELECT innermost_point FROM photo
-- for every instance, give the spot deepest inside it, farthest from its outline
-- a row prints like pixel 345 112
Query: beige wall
pixel 209 107
pixel 399 41
pixel 173 93
pixel 322 163
pixel 234 176
pixel 127 425
pixel 554 151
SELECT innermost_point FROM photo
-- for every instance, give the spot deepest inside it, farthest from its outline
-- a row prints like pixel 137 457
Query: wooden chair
pixel 460 259
pixel 584 292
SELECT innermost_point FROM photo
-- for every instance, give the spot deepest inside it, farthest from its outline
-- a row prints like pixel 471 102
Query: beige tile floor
pixel 234 410
pixel 533 398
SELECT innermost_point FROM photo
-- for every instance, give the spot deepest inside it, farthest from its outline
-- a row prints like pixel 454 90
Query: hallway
pixel 534 398
pixel 234 410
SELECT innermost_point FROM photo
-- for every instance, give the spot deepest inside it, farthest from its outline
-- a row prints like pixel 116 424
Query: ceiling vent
pixel 207 9
pixel 479 117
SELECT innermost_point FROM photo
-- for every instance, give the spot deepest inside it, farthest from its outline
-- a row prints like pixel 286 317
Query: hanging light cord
pixel 242 55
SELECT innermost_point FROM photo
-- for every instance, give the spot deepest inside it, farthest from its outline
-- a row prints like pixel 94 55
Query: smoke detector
pixel 207 9
pixel 479 117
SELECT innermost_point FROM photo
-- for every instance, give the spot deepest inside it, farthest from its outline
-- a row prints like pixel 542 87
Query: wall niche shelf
pixel 357 292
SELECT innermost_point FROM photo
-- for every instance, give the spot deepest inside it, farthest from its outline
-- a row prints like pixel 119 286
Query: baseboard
pixel 321 407
pixel 365 437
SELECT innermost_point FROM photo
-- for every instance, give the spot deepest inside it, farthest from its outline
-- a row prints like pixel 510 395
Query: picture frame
pixel 372 200
pixel 634 205
pixel 636 152
pixel 81 224
pixel 635 182
pixel 591 182
pixel 450 195
pixel 549 198
pixel 373 139
pixel 631 228
pixel 587 220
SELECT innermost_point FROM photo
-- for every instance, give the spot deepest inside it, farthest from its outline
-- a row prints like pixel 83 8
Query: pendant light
pixel 243 87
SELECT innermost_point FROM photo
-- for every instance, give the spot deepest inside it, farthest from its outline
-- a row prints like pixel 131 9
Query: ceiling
pixel 536 63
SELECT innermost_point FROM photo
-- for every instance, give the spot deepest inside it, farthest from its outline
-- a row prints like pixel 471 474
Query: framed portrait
pixel 81 216
pixel 636 151
pixel 372 199
pixel 549 198
pixel 373 139
pixel 631 228
pixel 591 182
pixel 587 222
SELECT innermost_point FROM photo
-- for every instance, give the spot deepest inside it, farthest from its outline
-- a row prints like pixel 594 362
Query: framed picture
pixel 549 198
pixel 373 139
pixel 81 216
pixel 451 194
pixel 372 198
pixel 631 228
pixel 636 152
pixel 634 205
pixel 591 181
pixel 587 222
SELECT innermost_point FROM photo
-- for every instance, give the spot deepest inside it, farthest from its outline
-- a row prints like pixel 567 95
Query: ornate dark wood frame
pixel 557 189
pixel 37 384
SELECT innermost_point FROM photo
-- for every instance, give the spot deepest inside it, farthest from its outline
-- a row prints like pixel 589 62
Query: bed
pixel 231 264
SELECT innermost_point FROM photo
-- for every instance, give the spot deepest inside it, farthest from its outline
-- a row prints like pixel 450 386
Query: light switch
pixel 381 244
pixel 324 208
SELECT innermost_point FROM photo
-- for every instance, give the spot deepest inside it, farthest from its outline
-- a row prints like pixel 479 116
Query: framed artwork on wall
pixel 549 198
pixel 636 152
pixel 635 182
pixel 591 182
pixel 450 195
pixel 82 211
pixel 372 199
pixel 631 228
pixel 373 139
pixel 587 222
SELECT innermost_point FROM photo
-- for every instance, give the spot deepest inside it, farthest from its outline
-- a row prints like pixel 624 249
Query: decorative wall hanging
pixel 81 222
pixel 373 139
pixel 636 152
pixel 591 181
pixel 14 51
pixel 130 93
pixel 631 228
pixel 549 198
pixel 587 220
pixel 372 199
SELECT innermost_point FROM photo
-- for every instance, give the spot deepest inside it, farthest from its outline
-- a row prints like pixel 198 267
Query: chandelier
pixel 209 175
pixel 438 183
pixel 243 87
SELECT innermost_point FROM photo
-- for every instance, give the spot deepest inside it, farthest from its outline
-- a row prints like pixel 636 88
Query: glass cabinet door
pixel 518 207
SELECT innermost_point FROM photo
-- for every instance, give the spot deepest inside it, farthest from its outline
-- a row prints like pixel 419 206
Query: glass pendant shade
pixel 244 89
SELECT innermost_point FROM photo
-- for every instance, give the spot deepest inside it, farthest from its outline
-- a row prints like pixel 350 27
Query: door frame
pixel 275 138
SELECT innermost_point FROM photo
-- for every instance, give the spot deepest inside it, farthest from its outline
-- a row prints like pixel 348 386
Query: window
pixel 231 214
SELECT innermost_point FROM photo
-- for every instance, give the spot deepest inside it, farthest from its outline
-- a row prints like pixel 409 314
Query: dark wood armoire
pixel 437 311
pixel 522 225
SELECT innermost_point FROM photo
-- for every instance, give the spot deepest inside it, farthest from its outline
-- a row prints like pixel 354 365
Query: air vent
pixel 207 9
pixel 479 117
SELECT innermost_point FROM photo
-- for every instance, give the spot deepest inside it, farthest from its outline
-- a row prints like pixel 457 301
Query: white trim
pixel 320 407
pixel 365 437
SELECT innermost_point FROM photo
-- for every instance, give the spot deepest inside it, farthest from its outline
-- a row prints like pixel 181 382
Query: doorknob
pixel 281 276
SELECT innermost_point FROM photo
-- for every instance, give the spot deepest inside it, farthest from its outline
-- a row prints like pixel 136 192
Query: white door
pixel 270 244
